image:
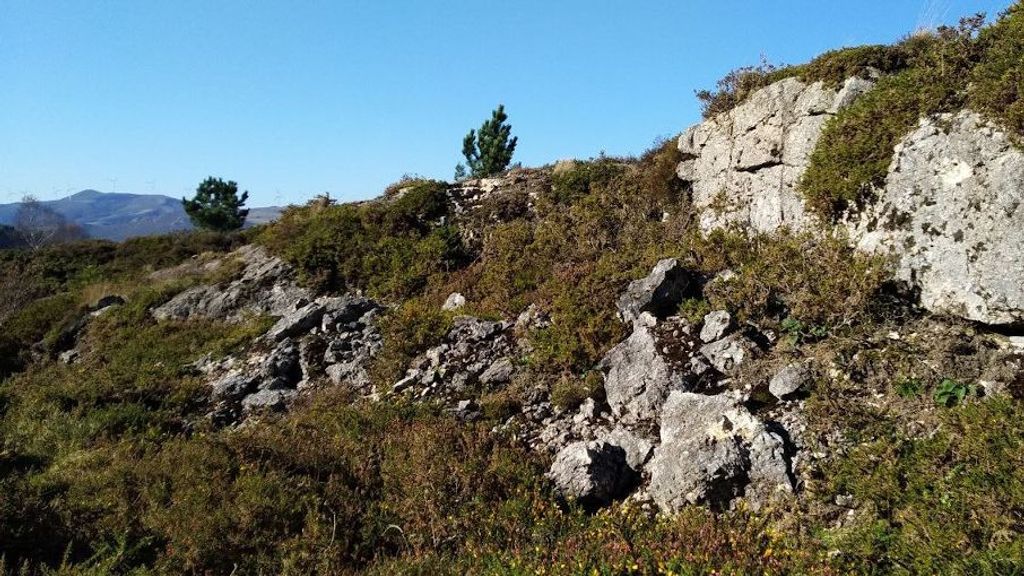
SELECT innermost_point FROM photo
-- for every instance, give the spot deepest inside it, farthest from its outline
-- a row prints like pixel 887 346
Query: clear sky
pixel 292 99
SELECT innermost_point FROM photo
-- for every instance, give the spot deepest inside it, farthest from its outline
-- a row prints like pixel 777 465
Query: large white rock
pixel 744 165
pixel 952 215
pixel 714 450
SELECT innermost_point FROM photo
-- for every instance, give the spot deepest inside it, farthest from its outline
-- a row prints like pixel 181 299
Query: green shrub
pixel 997 82
pixel 736 86
pixel 390 247
pixel 942 503
pixel 853 155
pixel 408 330
pixel 819 283
pixel 569 391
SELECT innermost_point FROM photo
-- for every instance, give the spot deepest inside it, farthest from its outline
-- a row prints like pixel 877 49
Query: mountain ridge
pixel 121 215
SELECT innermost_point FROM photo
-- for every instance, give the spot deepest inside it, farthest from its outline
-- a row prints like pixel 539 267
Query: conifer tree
pixel 217 206
pixel 489 151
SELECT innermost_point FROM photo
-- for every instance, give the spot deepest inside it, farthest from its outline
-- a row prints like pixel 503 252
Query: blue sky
pixel 292 99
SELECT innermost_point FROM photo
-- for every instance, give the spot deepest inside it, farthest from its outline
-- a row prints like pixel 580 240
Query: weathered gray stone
pixel 709 471
pixel 789 380
pixel 639 377
pixel 233 385
pixel 297 322
pixel 637 448
pixel 499 372
pixel 454 301
pixel 744 165
pixel 266 286
pixel 659 293
pixel 268 400
pixel 952 214
pixel 715 325
pixel 281 368
pixel 594 473
pixel 727 354
pixel 712 450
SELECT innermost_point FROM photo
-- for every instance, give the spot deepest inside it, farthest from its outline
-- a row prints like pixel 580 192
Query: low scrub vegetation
pixel 110 466
pixel 390 247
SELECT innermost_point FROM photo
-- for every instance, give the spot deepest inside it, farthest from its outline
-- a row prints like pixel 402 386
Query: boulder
pixel 499 372
pixel 744 165
pixel 659 293
pixel 714 450
pixel 708 471
pixel 952 215
pixel 715 325
pixel 592 473
pixel 638 376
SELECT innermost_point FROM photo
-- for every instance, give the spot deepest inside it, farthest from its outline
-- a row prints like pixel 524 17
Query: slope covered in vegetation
pixel 110 465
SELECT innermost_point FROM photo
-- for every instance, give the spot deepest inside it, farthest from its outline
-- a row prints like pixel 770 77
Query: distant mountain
pixel 116 216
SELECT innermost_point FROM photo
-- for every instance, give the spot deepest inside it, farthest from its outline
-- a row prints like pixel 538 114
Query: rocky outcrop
pixel 744 165
pixel 952 214
pixel 329 340
pixel 266 286
pixel 476 355
pixel 710 449
pixel 325 340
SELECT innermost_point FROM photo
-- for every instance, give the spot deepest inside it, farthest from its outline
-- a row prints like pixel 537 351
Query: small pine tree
pixel 217 206
pixel 489 151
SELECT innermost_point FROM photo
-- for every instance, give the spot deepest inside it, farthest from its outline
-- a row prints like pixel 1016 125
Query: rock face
pixel 266 286
pixel 952 212
pixel 321 340
pixel 744 165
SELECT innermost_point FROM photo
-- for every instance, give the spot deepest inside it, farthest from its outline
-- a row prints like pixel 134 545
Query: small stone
pixel 454 302
pixel 588 409
pixel 296 323
pixel 789 380
pixel 411 378
pixel 727 354
pixel 715 325
pixel 272 400
pixel 233 386
pixel 659 293
pixel 498 373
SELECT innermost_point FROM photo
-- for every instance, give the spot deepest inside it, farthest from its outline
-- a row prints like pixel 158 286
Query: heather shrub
pixel 391 247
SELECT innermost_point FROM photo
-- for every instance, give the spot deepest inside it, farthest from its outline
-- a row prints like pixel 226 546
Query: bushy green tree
pixel 489 151
pixel 217 206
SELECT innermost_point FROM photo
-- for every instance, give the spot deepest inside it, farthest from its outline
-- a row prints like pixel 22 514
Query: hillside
pixel 789 341
pixel 111 216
